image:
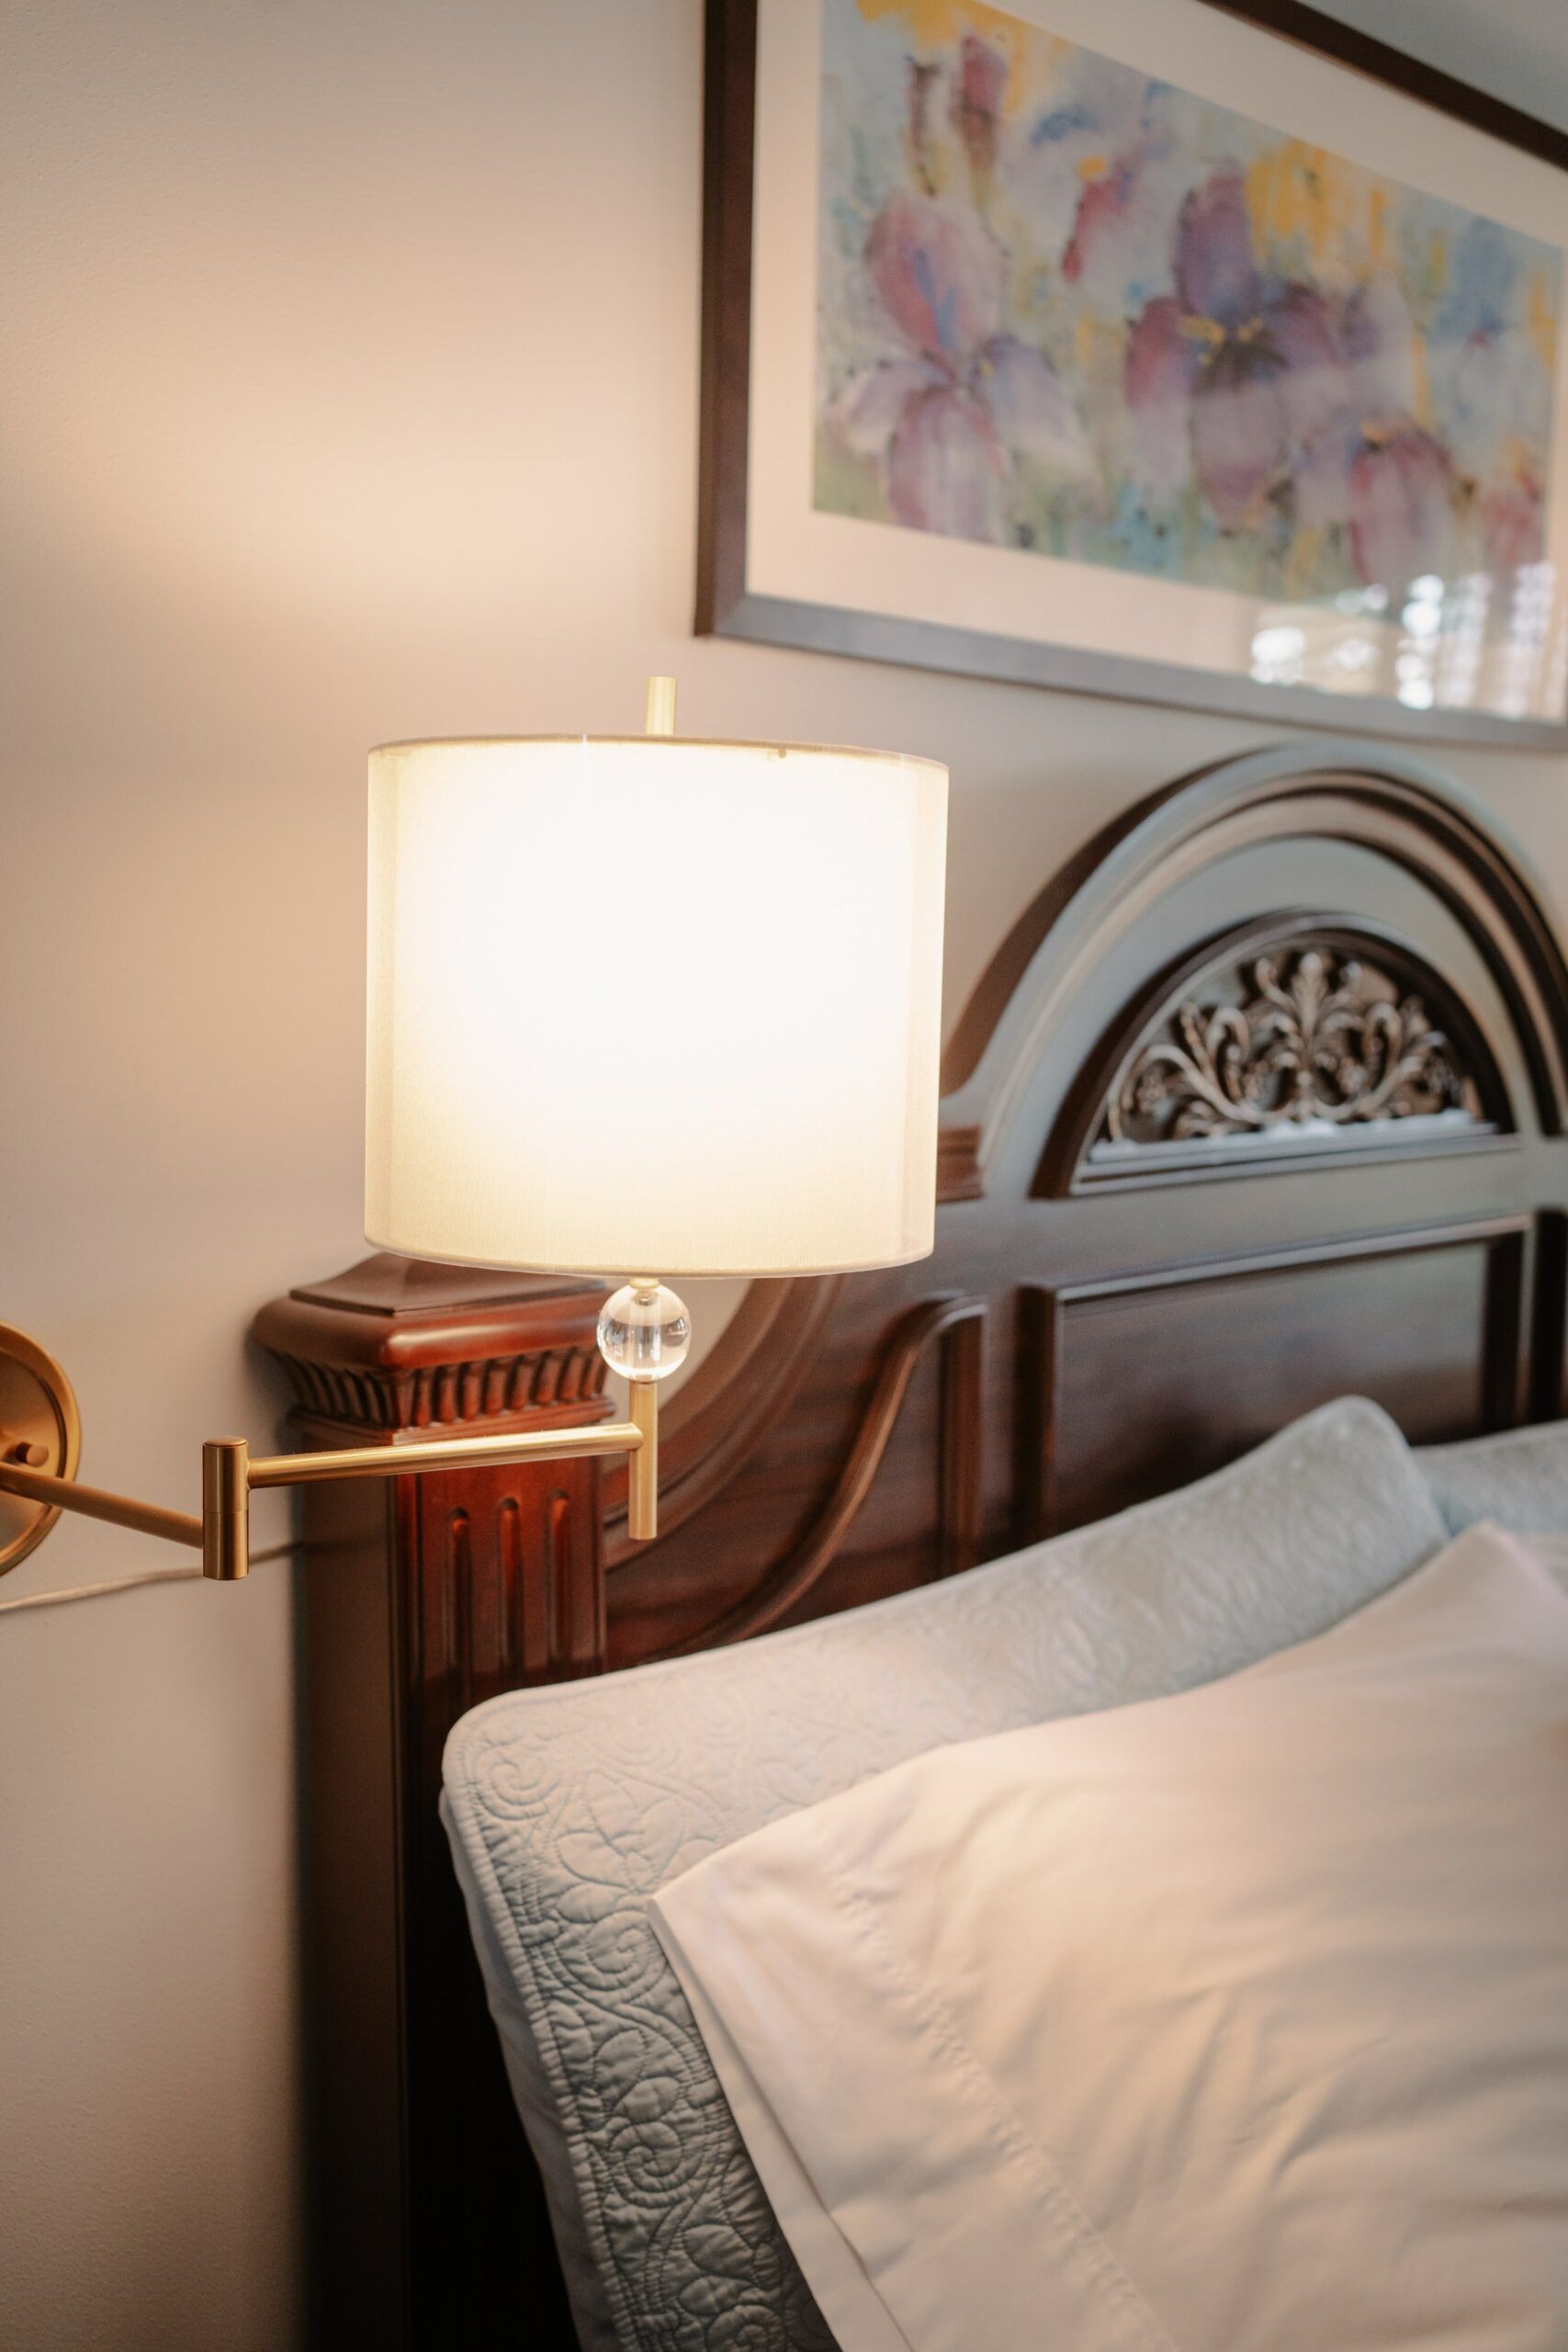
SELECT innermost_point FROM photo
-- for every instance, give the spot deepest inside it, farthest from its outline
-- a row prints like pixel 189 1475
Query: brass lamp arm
pixel 96 1502
pixel 229 1477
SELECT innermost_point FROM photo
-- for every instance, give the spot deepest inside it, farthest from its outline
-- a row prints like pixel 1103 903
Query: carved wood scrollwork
pixel 1304 1038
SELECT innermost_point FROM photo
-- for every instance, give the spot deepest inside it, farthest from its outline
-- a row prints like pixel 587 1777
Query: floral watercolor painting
pixel 1064 307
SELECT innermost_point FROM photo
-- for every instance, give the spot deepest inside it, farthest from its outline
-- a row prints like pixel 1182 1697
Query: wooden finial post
pixel 660 717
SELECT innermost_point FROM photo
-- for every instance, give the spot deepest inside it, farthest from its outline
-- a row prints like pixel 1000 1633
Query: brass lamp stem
pixel 642 1471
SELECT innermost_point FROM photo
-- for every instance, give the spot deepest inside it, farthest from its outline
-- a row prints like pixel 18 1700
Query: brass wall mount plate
pixel 40 1428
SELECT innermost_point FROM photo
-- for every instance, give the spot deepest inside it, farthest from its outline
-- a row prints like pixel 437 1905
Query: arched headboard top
pixel 1403 813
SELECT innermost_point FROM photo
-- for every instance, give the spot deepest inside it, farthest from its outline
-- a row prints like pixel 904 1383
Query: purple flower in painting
pixel 1216 275
pixel 1401 506
pixel 951 415
pixel 1513 519
pixel 1161 370
pixel 1255 390
pixel 1236 411
pixel 1403 490
pixel 977 107
pixel 946 470
pixel 939 274
pixel 1103 208
pixel 1238 430
pixel 1300 327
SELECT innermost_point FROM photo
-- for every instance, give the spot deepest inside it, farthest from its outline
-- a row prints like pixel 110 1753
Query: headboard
pixel 1261 1101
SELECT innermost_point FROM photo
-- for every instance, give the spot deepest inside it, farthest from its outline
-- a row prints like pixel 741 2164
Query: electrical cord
pixel 129 1584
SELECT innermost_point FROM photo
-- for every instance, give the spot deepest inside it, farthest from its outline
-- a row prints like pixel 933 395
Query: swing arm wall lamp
pixel 765 1104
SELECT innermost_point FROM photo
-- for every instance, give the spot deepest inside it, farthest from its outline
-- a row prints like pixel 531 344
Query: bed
pixel 1261 1105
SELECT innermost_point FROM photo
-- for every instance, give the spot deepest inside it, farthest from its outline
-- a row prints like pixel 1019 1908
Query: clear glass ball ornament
pixel 644 1331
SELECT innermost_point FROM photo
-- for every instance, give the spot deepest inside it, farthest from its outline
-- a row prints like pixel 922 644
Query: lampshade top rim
pixel 661 744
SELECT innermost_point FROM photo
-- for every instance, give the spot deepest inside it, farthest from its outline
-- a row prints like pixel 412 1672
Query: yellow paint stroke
pixel 1034 56
pixel 1521 461
pixel 1297 191
pixel 1436 265
pixel 1541 319
pixel 1377 225
pixel 1101 347
pixel 1084 342
pixel 1093 167
pixel 943 21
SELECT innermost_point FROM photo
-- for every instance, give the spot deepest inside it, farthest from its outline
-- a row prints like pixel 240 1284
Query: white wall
pixel 350 379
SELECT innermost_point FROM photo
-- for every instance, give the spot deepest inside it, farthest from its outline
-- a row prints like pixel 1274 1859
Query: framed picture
pixel 1193 353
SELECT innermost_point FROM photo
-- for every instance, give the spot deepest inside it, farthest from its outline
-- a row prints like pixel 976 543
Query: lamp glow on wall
pixel 737 1076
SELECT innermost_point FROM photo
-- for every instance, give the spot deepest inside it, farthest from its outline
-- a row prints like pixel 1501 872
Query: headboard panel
pixel 1261 1101
pixel 1139 1383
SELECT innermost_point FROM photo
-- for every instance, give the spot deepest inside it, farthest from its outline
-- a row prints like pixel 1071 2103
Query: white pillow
pixel 1550 1552
pixel 1236 2021
pixel 1516 1477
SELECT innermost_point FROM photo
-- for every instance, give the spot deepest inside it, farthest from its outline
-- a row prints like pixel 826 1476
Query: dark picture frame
pixel 727 607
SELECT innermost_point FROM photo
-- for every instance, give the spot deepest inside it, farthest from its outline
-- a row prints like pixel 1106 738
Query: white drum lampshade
pixel 652 1006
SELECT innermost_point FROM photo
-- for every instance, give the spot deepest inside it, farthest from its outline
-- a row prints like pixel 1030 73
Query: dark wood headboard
pixel 1262 1101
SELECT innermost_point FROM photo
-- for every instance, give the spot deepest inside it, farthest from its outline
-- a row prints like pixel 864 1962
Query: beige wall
pixel 350 379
